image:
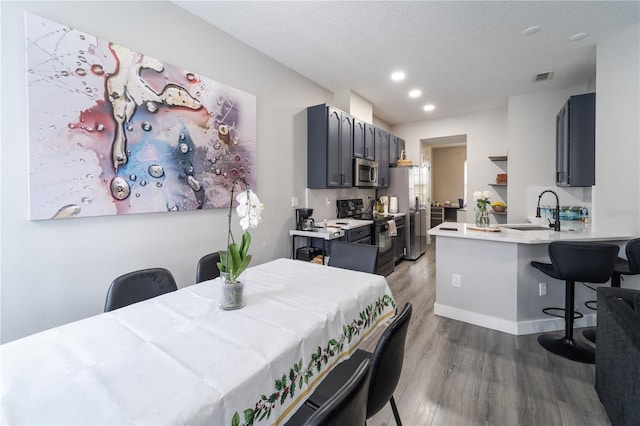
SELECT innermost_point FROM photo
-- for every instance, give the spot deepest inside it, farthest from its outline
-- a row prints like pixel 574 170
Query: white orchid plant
pixel 482 199
pixel 236 259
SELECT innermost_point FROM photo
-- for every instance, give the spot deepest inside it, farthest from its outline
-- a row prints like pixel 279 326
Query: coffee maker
pixel 304 221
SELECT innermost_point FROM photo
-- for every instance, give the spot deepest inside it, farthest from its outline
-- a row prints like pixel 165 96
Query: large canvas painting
pixel 113 131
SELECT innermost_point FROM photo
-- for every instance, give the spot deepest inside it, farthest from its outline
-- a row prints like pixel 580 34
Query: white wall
pixel 486 136
pixel 54 272
pixel 531 141
pixel 617 191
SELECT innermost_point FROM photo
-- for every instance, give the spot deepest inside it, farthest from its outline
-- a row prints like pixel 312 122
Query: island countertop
pixel 486 278
pixel 506 233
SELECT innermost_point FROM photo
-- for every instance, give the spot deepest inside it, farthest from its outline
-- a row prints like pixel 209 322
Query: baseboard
pixel 511 327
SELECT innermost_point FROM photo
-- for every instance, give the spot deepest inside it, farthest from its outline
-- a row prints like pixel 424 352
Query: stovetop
pixel 354 209
pixel 376 217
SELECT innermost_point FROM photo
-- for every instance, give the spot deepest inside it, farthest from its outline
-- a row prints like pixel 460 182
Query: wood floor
pixel 460 374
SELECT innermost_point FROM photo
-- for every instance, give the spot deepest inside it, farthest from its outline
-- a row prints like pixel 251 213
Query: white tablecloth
pixel 180 359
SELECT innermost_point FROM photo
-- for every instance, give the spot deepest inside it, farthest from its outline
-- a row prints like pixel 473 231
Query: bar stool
pixel 628 266
pixel 575 261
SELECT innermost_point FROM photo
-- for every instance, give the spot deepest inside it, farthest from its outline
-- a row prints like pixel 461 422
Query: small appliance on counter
pixel 304 221
pixel 393 205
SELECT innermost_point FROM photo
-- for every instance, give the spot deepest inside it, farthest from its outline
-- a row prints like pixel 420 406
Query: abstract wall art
pixel 113 131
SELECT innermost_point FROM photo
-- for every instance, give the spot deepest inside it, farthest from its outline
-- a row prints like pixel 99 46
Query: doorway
pixel 447 157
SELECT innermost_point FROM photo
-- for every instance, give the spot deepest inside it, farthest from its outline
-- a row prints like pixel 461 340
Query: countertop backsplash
pixel 317 200
pixel 575 204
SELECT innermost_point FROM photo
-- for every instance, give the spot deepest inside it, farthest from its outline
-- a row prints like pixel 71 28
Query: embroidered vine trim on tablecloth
pixel 298 376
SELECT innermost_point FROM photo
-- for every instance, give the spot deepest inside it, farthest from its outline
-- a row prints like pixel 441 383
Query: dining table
pixel 180 359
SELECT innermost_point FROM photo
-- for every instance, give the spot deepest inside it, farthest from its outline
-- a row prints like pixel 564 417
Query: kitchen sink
pixel 527 228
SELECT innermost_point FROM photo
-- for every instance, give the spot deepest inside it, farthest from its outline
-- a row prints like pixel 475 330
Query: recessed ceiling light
pixel 429 107
pixel 578 36
pixel 531 30
pixel 415 93
pixel 397 76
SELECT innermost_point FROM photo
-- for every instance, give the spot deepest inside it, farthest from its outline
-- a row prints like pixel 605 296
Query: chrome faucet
pixel 555 225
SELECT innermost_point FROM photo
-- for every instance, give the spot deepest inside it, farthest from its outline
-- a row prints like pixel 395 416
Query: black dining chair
pixel 386 366
pixel 347 407
pixel 207 268
pixel 137 286
pixel 573 261
pixel 357 257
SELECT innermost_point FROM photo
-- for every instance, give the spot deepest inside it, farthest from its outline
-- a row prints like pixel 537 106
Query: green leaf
pixel 246 242
pixel 235 421
pixel 223 261
pixel 248 416
pixel 235 257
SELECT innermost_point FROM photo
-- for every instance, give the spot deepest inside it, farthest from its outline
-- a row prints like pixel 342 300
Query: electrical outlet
pixel 543 289
pixel 295 202
pixel 456 280
pixel 328 202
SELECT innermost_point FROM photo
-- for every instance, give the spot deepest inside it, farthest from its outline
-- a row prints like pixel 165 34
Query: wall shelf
pixel 498 158
pixel 498 184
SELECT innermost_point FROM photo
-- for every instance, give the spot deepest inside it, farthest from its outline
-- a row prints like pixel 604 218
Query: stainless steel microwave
pixel 365 172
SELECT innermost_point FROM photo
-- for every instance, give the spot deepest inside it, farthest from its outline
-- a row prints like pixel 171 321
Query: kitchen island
pixel 485 278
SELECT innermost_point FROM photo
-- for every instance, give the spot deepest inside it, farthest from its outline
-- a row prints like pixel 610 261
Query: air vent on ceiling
pixel 543 76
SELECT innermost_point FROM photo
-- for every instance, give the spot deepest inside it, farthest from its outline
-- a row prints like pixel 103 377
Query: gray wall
pixel 54 272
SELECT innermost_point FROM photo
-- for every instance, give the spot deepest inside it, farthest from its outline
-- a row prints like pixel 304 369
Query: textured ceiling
pixel 464 56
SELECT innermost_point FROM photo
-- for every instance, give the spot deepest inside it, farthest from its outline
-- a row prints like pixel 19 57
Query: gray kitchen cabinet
pixel 576 142
pixel 396 146
pixel 363 140
pixel 382 157
pixel 329 147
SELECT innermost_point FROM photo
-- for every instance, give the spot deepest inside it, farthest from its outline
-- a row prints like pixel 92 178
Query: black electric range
pixel 354 209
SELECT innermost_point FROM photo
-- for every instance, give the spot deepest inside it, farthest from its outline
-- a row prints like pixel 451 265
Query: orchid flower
pixel 236 259
pixel 249 209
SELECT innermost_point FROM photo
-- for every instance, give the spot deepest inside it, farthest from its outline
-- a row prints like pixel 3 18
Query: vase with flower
pixel 482 201
pixel 236 258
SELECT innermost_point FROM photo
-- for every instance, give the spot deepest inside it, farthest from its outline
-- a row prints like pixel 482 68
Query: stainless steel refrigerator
pixel 410 184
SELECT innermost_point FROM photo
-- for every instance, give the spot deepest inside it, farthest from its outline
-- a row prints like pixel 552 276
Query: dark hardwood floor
pixel 460 374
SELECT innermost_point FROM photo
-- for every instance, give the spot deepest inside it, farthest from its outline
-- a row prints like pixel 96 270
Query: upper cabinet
pixel 363 140
pixel 329 147
pixel 382 157
pixel 575 142
pixel 396 146
pixel 335 138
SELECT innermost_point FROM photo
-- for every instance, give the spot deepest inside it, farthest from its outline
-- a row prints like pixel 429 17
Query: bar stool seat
pixel 575 261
